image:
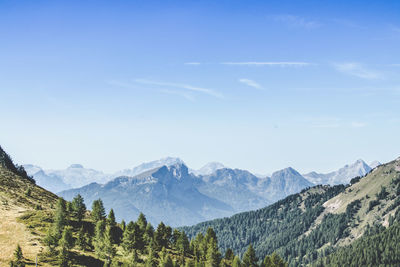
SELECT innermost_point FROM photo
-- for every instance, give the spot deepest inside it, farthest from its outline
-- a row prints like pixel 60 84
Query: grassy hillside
pixel 19 197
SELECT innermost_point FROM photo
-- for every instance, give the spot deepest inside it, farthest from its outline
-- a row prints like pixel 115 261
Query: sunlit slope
pixel 19 196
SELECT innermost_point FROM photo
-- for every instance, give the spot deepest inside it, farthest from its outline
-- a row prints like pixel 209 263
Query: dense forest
pixel 279 226
pixel 379 246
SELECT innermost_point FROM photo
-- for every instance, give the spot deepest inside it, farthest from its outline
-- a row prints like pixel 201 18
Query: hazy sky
pixel 255 85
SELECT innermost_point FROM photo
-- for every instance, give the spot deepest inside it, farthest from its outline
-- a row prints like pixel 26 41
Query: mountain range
pixel 357 224
pixel 219 191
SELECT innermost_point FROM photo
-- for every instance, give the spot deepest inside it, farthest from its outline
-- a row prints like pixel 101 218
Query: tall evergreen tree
pixel 81 240
pixel 111 218
pixel 160 236
pixel 66 243
pixel 109 250
pixel 18 258
pixel 99 238
pixel 213 256
pixel 166 261
pixel 60 218
pixel 142 222
pixel 249 257
pixel 236 262
pixel 98 211
pixel 78 207
pixel 229 255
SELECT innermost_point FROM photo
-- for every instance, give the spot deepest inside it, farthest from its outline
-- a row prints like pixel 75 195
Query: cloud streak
pixel 186 87
pixel 358 70
pixel 269 63
pixel 296 21
pixel 250 83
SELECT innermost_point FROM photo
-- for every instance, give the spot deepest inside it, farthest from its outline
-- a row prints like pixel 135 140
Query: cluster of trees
pixel 6 162
pixel 137 243
pixel 280 227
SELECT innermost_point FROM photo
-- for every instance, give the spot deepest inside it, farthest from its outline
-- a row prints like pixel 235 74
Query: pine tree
pixel 182 244
pixel 60 218
pixel 98 211
pixel 66 243
pixel 166 261
pixel 249 257
pixel 111 218
pixel 151 261
pixel 99 238
pixel 142 222
pixel 175 236
pixel 18 258
pixel 275 261
pixel 123 225
pixel 109 250
pixel 81 241
pixel 148 234
pixel 213 256
pixel 160 236
pixel 236 262
pixel 229 254
pixel 78 207
pixel 51 240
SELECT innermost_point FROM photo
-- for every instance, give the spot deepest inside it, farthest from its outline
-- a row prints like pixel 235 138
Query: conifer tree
pixel 213 256
pixel 182 244
pixel 160 236
pixel 18 258
pixel 175 236
pixel 142 222
pixel 111 218
pixel 148 234
pixel 166 261
pixel 98 211
pixel 99 238
pixel 151 261
pixel 78 207
pixel 249 257
pixel 229 255
pixel 132 238
pixel 60 218
pixel 123 225
pixel 81 241
pixel 109 250
pixel 236 262
pixel 66 243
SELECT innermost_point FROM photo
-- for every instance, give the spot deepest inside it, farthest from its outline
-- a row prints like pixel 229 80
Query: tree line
pixel 136 243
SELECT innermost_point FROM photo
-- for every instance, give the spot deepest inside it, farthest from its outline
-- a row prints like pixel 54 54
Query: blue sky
pixel 258 85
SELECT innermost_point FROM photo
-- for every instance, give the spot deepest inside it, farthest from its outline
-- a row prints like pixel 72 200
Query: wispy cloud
pixel 186 95
pixel 358 70
pixel 296 21
pixel 250 83
pixel 192 63
pixel 270 63
pixel 186 87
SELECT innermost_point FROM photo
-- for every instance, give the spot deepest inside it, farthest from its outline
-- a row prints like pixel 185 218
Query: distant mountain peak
pixel 75 166
pixel 374 164
pixel 342 175
pixel 285 172
pixel 209 168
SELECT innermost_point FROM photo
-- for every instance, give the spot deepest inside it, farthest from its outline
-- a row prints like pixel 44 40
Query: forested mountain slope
pixel 315 222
